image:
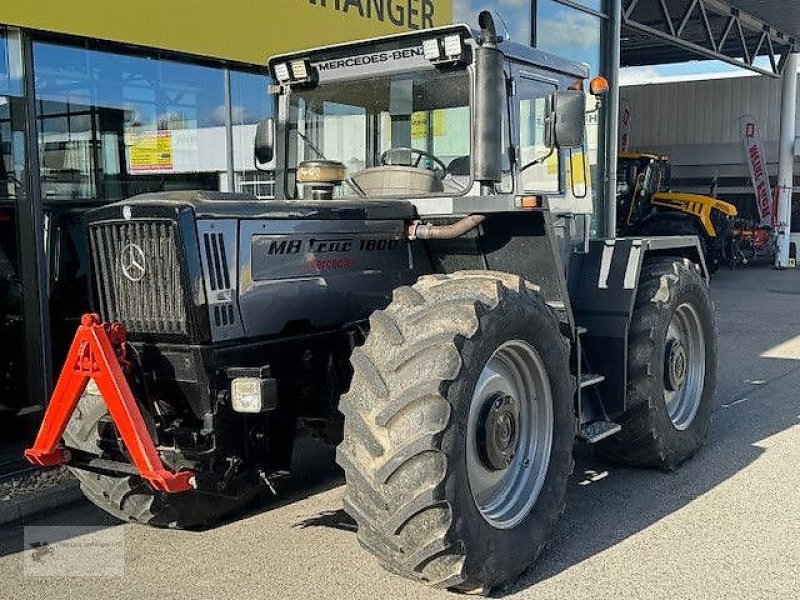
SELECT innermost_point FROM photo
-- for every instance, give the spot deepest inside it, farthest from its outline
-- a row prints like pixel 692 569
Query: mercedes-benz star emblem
pixel 133 262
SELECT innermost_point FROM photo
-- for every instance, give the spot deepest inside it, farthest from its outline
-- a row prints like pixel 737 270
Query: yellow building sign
pixel 246 31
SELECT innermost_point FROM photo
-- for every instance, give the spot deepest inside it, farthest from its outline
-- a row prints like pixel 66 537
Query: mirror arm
pixel 598 105
pixel 537 161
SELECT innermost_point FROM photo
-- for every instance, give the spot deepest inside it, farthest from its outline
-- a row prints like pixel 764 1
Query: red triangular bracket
pixel 98 353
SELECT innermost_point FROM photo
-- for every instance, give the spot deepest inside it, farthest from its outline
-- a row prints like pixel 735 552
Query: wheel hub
pixel 675 369
pixel 498 432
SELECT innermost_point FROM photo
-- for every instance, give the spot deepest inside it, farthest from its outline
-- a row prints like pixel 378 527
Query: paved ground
pixel 724 526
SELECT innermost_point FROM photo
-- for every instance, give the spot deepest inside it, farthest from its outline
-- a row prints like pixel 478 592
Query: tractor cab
pixel 449 112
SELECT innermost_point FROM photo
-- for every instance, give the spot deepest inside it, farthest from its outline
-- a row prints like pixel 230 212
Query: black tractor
pixel 413 295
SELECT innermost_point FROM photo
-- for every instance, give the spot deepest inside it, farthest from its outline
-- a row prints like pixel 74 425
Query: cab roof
pixel 512 50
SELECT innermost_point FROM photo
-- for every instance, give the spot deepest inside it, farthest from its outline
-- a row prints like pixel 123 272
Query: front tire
pixel 672 368
pixel 459 427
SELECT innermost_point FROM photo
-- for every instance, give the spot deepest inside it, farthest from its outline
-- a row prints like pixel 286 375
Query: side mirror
pixel 567 122
pixel 265 142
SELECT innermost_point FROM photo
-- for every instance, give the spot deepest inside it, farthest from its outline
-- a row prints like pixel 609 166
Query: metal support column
pixel 229 150
pixel 786 159
pixel 33 258
pixel 612 118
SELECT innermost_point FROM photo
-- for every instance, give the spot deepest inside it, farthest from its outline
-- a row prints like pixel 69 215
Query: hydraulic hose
pixel 426 231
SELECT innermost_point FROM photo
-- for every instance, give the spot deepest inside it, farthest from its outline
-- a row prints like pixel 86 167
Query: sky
pixel 698 69
pixel 573 35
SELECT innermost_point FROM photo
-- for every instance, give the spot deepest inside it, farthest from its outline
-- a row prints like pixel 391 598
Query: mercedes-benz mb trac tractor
pixel 646 206
pixel 421 292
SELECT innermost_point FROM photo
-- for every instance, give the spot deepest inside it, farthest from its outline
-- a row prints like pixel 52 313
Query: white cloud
pixel 638 75
pixel 651 74
pixel 515 14
pixel 569 29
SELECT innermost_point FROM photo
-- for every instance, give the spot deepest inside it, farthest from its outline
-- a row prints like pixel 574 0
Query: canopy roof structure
pixel 734 31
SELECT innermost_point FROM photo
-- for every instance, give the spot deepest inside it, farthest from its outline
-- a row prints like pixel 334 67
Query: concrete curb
pixel 18 510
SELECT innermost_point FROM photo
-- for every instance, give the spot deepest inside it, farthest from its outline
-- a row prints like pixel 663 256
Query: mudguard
pixel 604 299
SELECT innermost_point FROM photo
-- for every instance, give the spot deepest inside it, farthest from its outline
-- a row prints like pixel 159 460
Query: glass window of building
pixel 112 126
pixel 577 34
pixel 569 32
pixel 10 63
pixel 514 14
pixel 250 103
pixel 13 389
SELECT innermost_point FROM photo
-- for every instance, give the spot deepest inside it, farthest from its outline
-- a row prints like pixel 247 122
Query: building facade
pixel 697 123
pixel 100 102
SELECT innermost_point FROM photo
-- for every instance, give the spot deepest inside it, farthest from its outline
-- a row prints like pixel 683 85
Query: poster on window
pixel 149 151
pixel 176 151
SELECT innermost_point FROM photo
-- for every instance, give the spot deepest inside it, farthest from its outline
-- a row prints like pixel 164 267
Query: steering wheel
pixel 420 154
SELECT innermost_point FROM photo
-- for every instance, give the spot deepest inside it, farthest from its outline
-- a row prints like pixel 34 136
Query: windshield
pixel 420 120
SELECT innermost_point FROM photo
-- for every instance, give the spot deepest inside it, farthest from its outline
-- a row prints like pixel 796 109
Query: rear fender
pixel 604 299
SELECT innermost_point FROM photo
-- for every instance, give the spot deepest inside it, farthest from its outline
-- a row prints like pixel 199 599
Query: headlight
pixel 246 395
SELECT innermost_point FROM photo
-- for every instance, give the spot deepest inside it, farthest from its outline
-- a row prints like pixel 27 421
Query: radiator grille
pixel 148 297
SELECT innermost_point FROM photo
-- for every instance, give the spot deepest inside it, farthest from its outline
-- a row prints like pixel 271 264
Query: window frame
pixel 525 73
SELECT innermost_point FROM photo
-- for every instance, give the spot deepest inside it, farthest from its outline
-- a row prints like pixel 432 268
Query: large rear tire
pixel 129 497
pixel 672 368
pixel 459 426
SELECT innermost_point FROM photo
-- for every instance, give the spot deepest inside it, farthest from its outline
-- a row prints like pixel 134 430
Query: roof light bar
pixel 448 49
pixel 295 72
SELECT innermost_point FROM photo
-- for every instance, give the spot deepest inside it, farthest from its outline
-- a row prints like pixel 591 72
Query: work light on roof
pixel 431 49
pixel 453 46
pixel 282 72
pixel 448 49
pixel 299 69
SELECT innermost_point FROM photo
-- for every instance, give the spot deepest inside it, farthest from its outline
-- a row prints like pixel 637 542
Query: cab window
pixel 544 176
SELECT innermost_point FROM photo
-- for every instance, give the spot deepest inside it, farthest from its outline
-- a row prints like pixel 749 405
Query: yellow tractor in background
pixel 645 206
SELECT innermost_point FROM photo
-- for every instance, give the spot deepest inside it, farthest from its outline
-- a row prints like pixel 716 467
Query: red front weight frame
pixel 98 353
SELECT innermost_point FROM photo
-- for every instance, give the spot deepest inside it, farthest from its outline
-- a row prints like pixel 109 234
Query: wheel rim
pixel 509 434
pixel 684 366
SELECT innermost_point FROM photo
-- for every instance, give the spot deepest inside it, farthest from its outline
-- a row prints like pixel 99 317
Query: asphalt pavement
pixel 724 526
